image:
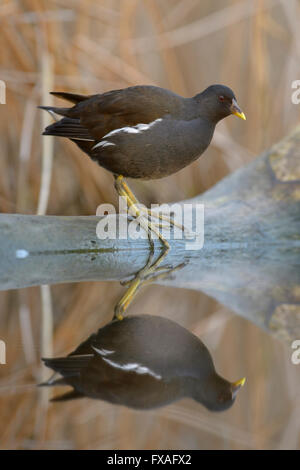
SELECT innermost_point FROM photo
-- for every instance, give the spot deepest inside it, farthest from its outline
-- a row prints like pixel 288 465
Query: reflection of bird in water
pixel 143 132
pixel 143 362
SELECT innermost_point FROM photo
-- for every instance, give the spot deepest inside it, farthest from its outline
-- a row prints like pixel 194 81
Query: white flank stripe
pixel 134 367
pixel 102 351
pixel 138 129
pixel 103 144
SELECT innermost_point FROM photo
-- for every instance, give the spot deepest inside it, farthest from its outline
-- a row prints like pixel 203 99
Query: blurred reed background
pixel 90 46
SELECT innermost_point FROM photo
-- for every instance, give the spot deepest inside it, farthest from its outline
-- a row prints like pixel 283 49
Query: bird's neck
pixel 204 109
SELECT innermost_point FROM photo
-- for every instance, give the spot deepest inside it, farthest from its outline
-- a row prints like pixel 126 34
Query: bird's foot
pixel 162 272
pixel 166 217
pixel 141 279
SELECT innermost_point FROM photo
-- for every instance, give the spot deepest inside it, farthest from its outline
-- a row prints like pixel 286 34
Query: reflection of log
pixel 250 260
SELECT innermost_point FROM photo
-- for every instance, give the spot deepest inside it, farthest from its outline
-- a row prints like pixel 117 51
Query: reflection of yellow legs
pixel 132 203
pixel 136 283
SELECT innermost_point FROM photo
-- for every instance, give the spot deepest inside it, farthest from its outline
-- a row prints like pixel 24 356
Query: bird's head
pixel 216 393
pixel 219 101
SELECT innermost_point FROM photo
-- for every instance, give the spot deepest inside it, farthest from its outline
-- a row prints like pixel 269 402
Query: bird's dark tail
pixel 67 127
pixel 54 109
pixel 66 112
pixel 69 365
pixel 52 382
pixel 65 367
pixel 72 97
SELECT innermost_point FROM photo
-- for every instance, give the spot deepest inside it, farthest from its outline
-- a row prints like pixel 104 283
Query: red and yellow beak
pixel 236 110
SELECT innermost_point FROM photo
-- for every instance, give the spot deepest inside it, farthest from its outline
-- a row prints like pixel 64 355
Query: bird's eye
pixel 221 98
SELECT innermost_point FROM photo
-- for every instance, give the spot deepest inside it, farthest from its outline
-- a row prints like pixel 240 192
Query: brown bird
pixel 143 362
pixel 143 132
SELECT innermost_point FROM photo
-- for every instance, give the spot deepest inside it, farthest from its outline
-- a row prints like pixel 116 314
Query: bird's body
pixel 143 362
pixel 145 131
pixel 161 142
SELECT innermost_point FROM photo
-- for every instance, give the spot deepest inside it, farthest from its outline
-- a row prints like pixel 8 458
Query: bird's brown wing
pixel 101 114
pixel 94 116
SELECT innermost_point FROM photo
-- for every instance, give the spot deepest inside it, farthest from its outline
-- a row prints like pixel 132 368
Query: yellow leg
pixel 136 283
pixel 132 202
pixel 126 188
pixel 150 267
pixel 126 299
pixel 148 211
